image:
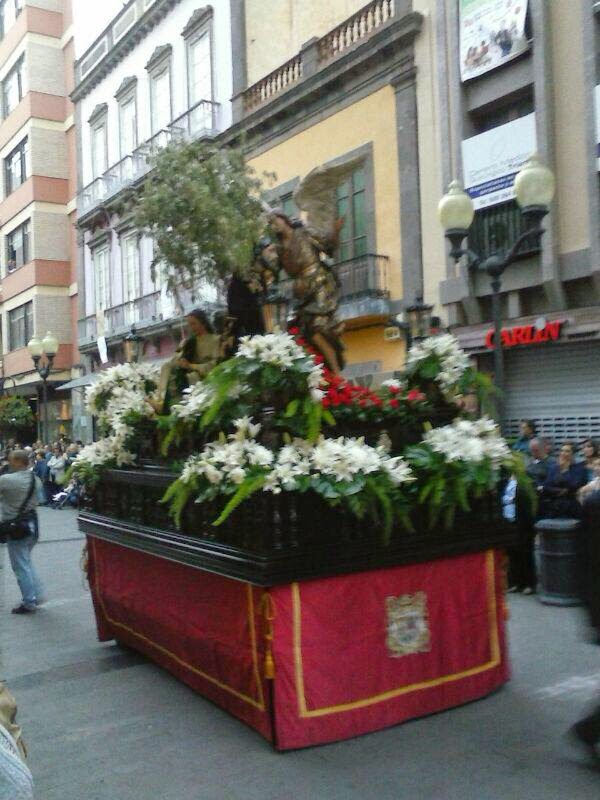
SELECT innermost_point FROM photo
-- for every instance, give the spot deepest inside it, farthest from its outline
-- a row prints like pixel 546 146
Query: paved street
pixel 105 724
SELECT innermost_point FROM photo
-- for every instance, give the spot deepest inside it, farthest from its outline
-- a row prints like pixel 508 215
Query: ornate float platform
pixel 296 618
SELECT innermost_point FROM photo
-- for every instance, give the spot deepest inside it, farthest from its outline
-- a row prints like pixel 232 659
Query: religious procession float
pixel 318 558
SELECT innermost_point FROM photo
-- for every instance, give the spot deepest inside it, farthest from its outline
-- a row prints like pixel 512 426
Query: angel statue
pixel 305 252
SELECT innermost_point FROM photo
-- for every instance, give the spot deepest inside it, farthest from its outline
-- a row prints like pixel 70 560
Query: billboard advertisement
pixel 492 32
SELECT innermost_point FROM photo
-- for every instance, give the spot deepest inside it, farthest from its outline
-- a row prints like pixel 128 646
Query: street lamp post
pixel 48 347
pixel 534 190
pixel 133 346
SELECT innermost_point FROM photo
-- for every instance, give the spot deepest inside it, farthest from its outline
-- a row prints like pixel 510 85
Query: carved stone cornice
pixel 200 17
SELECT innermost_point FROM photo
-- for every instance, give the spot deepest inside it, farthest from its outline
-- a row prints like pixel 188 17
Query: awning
pixel 77 383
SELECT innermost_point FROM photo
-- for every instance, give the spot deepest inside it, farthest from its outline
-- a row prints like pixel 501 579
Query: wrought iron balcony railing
pixel 135 312
pixel 364 276
pixel 361 279
pixel 87 328
pixel 202 120
pixel 497 228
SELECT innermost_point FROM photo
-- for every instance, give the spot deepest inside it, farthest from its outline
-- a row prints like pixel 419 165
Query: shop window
pixel 20 326
pixel 13 88
pixel 351 205
pixel 15 167
pixel 499 227
pixel 18 247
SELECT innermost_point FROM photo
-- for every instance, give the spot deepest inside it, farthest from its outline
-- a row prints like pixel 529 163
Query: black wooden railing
pixel 273 539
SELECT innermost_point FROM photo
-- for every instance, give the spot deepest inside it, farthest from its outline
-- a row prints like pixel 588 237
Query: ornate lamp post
pixel 534 189
pixel 48 347
pixel 415 322
pixel 133 346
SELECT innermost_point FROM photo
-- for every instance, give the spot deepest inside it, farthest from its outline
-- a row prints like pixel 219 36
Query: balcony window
pixel 130 259
pixel 351 206
pixel 160 99
pixel 99 148
pixel 15 167
pixel 13 88
pixel 20 326
pixel 17 247
pixel 127 125
pixel 101 262
pixel 498 227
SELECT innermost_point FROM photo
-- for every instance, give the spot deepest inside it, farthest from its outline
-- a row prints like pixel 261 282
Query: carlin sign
pixel 492 159
pixel 492 32
pixel 527 334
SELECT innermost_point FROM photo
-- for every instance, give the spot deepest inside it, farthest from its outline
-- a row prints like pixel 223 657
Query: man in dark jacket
pixel 587 730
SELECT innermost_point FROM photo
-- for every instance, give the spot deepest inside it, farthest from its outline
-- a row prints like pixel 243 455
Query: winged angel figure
pixel 305 250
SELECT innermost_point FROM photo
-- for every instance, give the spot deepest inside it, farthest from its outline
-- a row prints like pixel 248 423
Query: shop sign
pixel 492 159
pixel 492 32
pixel 527 334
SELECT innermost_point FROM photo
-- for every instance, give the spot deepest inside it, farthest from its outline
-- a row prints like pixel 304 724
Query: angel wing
pixel 316 196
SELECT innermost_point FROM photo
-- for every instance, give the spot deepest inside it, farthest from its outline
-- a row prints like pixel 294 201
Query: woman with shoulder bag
pixel 19 491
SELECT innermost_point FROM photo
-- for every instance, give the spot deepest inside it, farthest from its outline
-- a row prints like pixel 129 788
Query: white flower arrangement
pixel 469 441
pixel 120 392
pixel 196 399
pixel 281 350
pixel 93 458
pixel 340 470
pixel 453 361
pixel 393 383
pixel 230 460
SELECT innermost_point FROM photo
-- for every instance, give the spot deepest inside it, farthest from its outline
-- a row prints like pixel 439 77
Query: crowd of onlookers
pixel 562 479
pixel 50 462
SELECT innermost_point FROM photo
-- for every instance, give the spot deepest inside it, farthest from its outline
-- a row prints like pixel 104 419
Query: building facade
pixel 339 87
pixel 517 91
pixel 417 93
pixel 160 72
pixel 37 151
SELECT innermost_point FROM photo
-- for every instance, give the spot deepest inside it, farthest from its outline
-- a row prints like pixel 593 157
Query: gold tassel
pixel 269 665
pixel 268 612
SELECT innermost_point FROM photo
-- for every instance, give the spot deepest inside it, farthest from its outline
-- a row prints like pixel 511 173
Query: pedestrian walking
pixel 19 494
pixel 587 730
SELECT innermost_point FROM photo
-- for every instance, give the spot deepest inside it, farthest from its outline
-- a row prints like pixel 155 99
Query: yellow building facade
pixel 337 84
pixel 368 124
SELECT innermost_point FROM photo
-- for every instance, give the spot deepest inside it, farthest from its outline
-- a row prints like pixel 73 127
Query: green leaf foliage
pixel 201 207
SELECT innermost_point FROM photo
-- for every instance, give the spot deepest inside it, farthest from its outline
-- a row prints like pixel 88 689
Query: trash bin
pixel 556 560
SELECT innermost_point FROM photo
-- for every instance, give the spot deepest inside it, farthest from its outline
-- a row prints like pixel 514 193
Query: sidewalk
pixel 105 724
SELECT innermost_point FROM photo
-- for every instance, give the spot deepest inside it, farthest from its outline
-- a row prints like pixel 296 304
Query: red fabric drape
pixel 352 654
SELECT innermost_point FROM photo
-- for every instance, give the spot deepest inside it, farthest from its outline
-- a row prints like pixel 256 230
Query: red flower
pixel 394 390
pixel 394 403
pixel 326 402
pixel 293 331
pixel 415 396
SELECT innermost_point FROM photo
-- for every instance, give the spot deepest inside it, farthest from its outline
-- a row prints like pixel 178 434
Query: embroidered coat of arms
pixel 407 624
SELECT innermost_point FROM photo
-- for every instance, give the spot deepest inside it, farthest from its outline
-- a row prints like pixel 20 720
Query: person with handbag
pixel 19 492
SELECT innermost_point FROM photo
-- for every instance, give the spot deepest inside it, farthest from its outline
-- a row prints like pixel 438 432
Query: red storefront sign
pixel 527 334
